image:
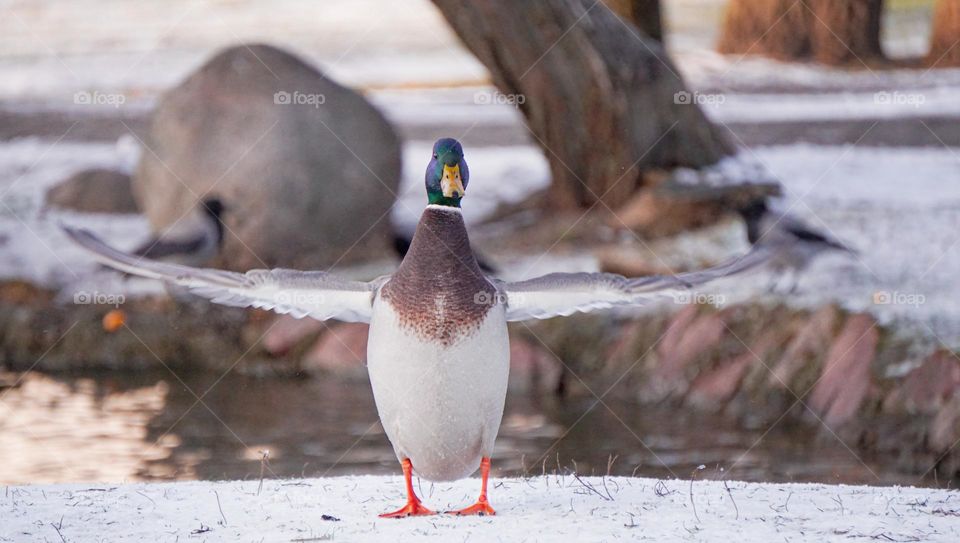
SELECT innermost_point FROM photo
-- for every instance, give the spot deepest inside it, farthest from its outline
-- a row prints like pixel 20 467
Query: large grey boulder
pixel 307 168
pixel 97 190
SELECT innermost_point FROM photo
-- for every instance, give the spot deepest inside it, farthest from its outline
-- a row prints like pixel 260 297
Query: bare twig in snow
pixel 692 477
pixel 605 488
pixel 661 490
pixel 734 502
pixel 224 517
pixel 147 497
pixel 57 527
pixel 591 488
pixel 840 503
pixel 264 460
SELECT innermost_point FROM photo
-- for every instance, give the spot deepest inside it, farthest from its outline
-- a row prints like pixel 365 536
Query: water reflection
pixel 53 430
pixel 150 426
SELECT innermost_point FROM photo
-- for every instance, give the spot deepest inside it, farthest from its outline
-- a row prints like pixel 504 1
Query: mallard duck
pixel 194 240
pixel 438 351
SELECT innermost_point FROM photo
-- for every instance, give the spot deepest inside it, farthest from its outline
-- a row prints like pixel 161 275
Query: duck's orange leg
pixel 482 507
pixel 413 508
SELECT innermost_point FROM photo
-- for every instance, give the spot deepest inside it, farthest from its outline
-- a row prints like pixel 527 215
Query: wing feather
pixel 314 294
pixel 562 294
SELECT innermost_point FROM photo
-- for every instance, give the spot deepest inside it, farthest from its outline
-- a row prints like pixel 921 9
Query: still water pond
pixel 150 426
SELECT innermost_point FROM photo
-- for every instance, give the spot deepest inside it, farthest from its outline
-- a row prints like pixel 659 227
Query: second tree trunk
pixel 834 32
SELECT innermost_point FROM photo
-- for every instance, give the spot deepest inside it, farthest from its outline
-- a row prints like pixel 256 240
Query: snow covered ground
pixel 540 508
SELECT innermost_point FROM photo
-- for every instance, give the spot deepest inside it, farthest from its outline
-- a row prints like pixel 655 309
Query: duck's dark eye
pixel 435 155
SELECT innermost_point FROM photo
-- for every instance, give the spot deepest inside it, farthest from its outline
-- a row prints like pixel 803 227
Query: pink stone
pixel 717 386
pixel 846 379
pixel 928 387
pixel 677 327
pixel 811 340
pixel 705 332
pixel 687 336
pixel 944 432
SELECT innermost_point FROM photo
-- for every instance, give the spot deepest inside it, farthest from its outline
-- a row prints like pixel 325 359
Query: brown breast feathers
pixel 439 291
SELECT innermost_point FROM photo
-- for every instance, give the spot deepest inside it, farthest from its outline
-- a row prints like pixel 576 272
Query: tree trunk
pixel 644 14
pixel 598 96
pixel 944 46
pixel 845 31
pixel 835 32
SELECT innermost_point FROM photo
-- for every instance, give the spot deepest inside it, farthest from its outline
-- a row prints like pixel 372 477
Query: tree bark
pixel 944 46
pixel 644 14
pixel 835 32
pixel 598 96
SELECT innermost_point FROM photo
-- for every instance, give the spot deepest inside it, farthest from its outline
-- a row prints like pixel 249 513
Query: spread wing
pixel 314 294
pixel 561 294
pixel 161 248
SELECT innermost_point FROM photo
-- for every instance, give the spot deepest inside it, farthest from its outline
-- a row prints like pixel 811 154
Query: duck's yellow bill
pixel 451 183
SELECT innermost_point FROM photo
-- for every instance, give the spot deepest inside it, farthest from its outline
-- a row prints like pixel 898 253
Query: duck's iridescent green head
pixel 447 173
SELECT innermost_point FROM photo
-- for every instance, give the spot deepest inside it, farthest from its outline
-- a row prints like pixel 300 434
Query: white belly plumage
pixel 440 406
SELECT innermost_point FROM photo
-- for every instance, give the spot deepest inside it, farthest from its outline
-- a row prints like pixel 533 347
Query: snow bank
pixel 54 49
pixel 835 106
pixel 705 68
pixel 542 508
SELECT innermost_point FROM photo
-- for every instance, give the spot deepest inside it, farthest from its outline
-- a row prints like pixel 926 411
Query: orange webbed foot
pixel 481 508
pixel 412 509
